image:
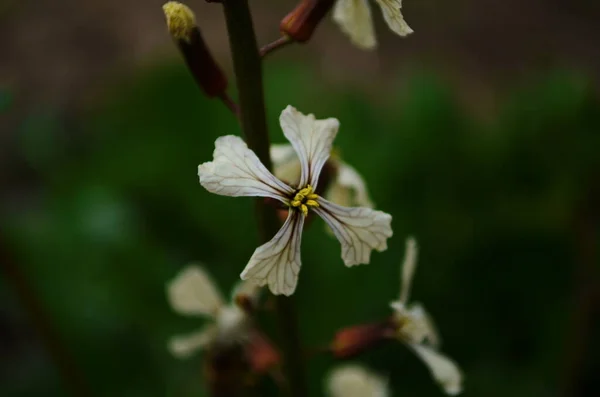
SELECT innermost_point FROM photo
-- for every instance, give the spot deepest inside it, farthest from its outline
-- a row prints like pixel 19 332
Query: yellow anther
pixel 304 199
pixel 312 203
pixel 180 20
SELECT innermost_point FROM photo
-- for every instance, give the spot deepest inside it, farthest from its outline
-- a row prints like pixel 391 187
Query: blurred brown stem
pixel 275 45
pixel 230 104
pixel 586 297
pixel 72 377
pixel 248 73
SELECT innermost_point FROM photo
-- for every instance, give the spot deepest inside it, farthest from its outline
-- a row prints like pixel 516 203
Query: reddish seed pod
pixel 350 341
pixel 302 21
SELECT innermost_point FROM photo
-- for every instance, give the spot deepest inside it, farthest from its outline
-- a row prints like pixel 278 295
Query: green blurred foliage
pixel 493 206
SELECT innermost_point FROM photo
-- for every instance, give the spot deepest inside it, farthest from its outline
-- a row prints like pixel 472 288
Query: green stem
pixel 248 72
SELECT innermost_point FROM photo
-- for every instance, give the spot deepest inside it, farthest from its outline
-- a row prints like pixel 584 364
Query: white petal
pixel 277 263
pixel 356 381
pixel 349 188
pixel 183 346
pixel 354 18
pixel 359 230
pixel 408 267
pixel 192 292
pixel 236 171
pixel 393 16
pixel 444 370
pixel 312 139
pixel 286 165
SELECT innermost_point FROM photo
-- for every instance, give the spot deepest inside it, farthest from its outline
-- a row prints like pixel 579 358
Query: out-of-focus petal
pixel 277 263
pixel 408 268
pixel 349 188
pixel 183 346
pixel 359 230
pixel 443 369
pixel 193 292
pixel 354 18
pixel 356 381
pixel 312 139
pixel 286 165
pixel 393 16
pixel 237 171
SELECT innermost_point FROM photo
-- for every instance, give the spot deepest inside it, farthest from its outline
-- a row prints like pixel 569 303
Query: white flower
pixel 416 329
pixel 356 381
pixel 347 188
pixel 237 171
pixel 354 18
pixel 193 293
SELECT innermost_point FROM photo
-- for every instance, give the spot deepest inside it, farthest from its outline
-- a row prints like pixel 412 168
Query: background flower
pixel 354 18
pixel 352 380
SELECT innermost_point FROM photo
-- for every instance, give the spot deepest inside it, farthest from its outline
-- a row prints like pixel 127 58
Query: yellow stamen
pixel 304 199
pixel 312 203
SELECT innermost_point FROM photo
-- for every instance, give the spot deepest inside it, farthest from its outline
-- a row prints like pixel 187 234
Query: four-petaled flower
pixel 415 328
pixel 237 171
pixel 193 293
pixel 354 18
pixel 353 380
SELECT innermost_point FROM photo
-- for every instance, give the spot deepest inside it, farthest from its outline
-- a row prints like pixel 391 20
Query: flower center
pixel 411 329
pixel 305 198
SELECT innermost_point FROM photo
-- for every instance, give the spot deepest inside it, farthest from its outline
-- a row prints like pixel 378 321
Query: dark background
pixel 479 134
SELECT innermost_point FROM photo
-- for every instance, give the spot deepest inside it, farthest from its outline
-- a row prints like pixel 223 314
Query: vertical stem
pixel 586 298
pixel 72 377
pixel 248 72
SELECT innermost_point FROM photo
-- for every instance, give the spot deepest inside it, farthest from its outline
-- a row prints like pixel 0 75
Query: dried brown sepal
pixel 182 27
pixel 350 341
pixel 302 21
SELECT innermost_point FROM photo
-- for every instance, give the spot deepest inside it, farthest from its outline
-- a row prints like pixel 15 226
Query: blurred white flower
pixel 355 381
pixel 346 188
pixel 193 293
pixel 354 18
pixel 415 328
pixel 237 171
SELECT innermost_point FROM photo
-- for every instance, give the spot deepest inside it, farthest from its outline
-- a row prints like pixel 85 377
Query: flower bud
pixel 351 341
pixel 181 23
pixel 301 23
